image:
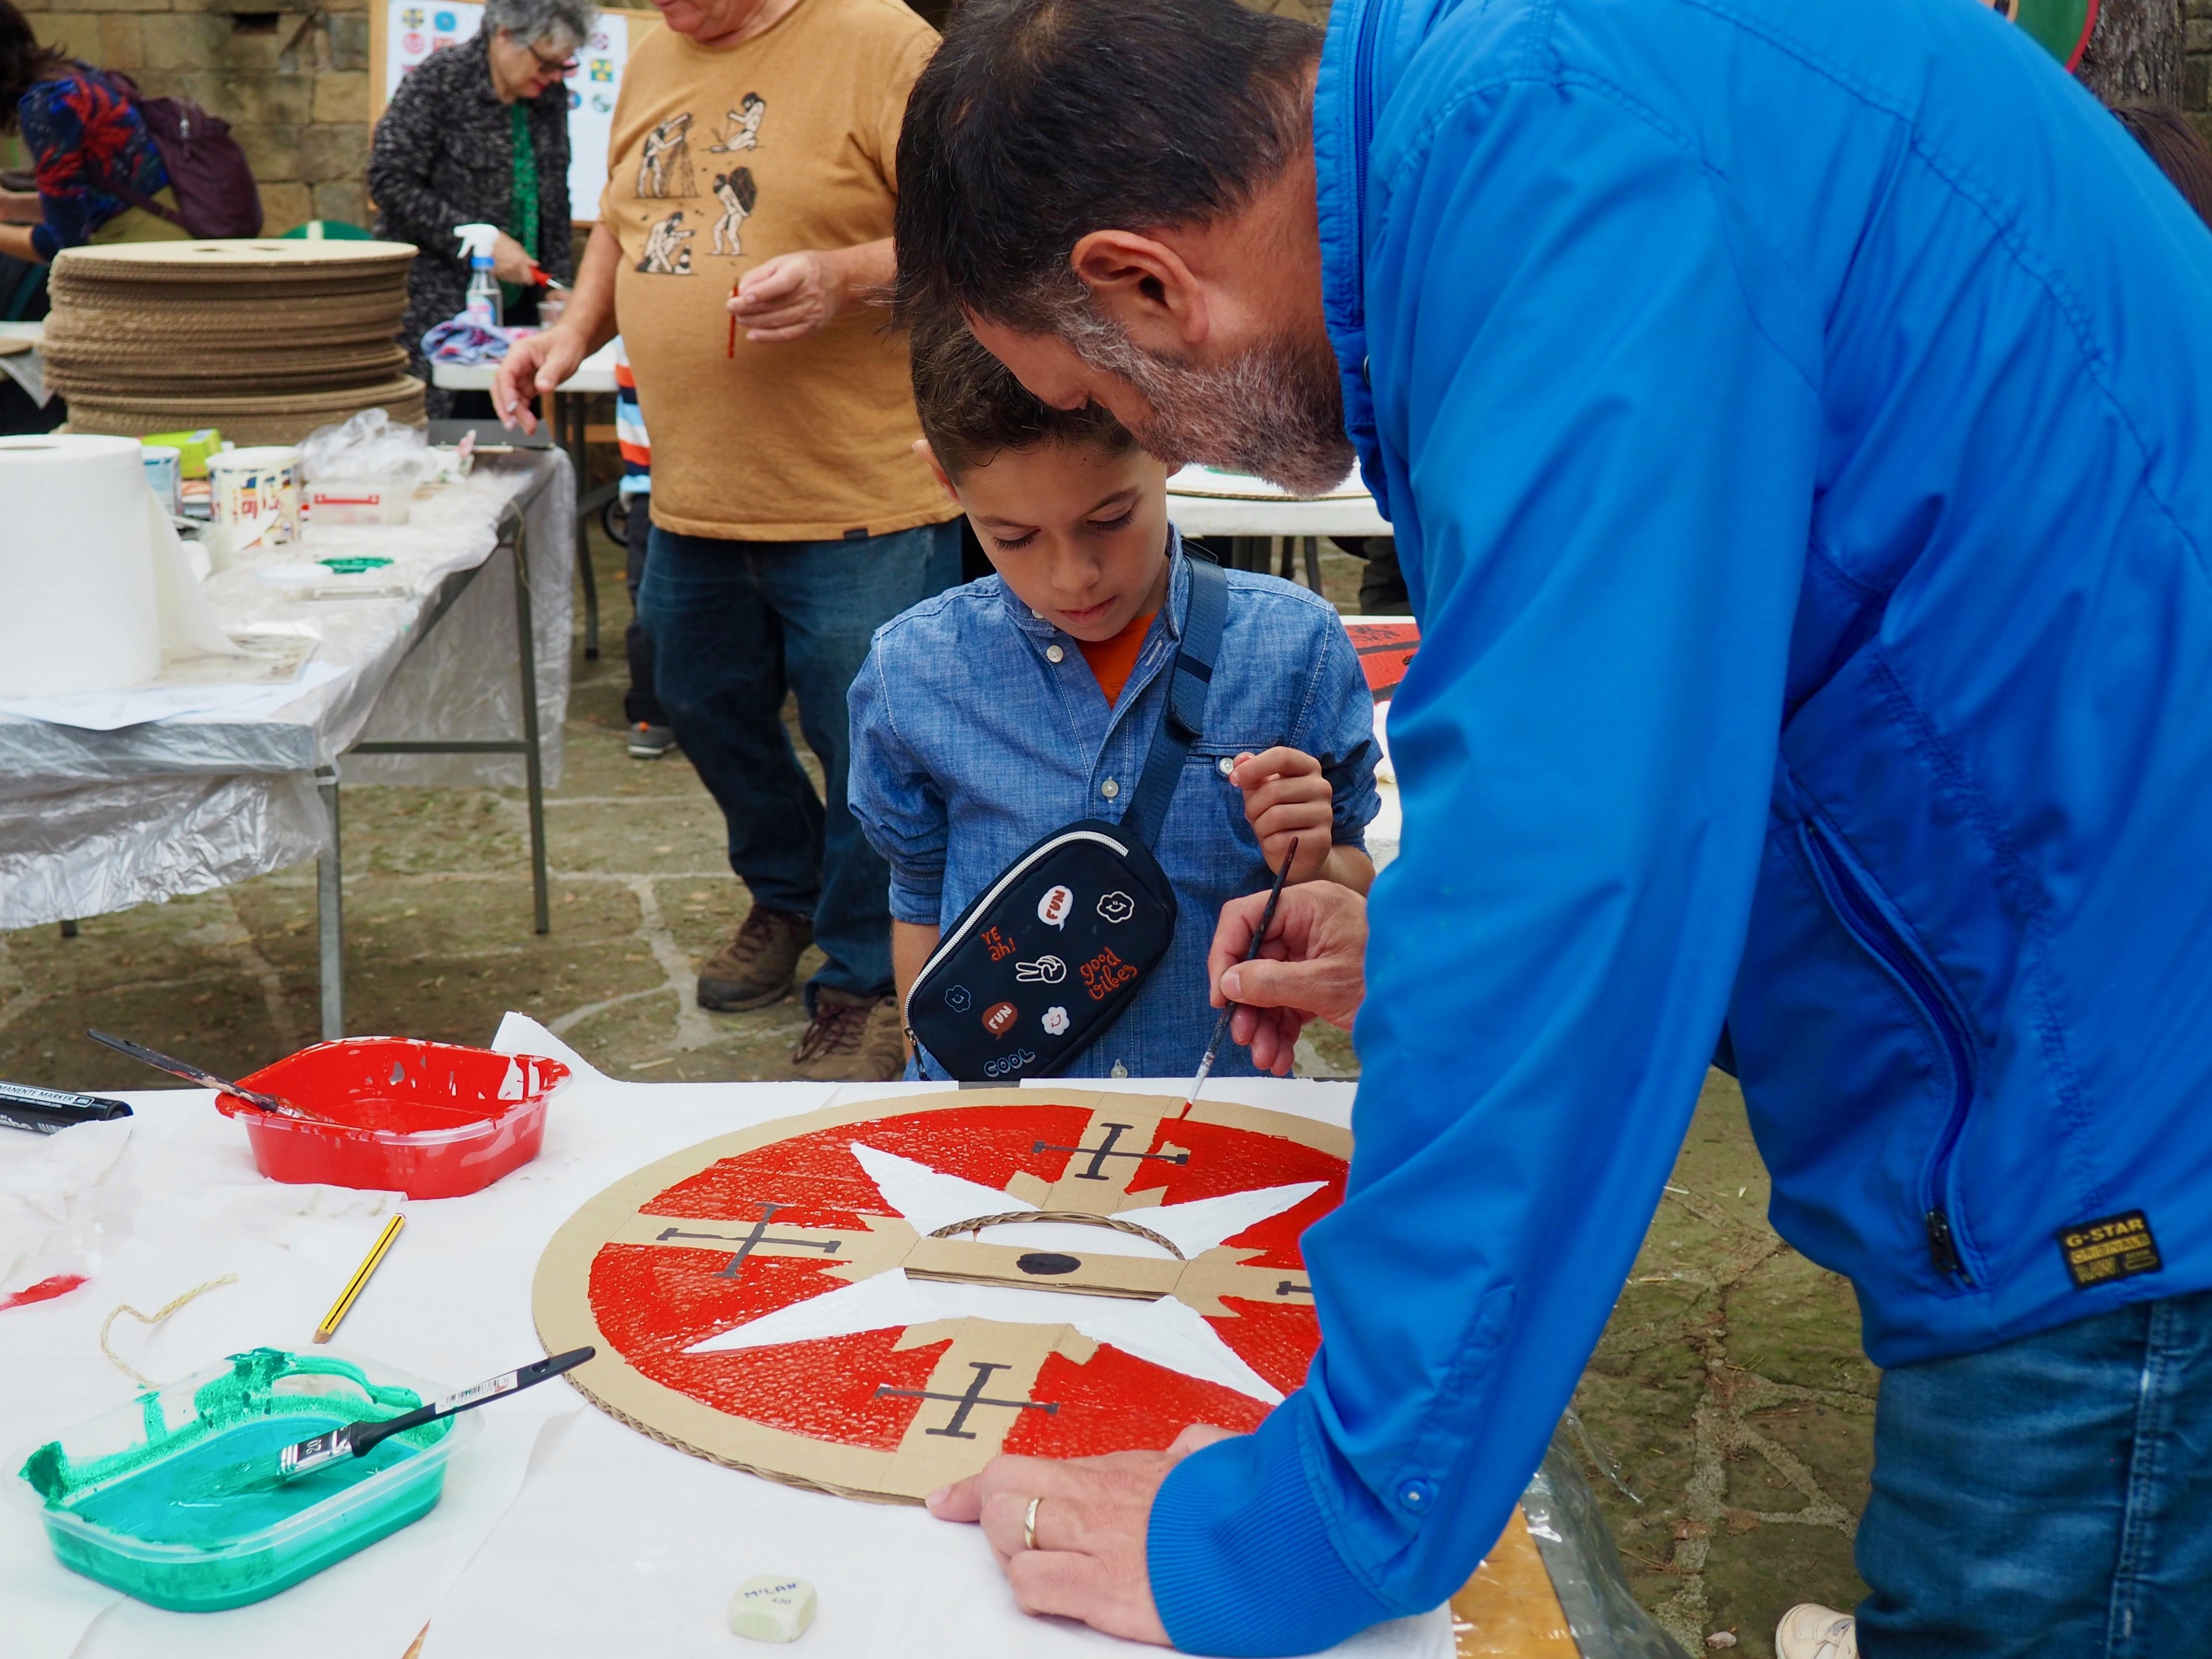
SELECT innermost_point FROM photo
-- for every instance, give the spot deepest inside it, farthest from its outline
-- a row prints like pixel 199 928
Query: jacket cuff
pixel 1239 1555
pixel 46 242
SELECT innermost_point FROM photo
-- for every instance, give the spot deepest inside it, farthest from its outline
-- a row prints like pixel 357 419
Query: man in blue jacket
pixel 1796 423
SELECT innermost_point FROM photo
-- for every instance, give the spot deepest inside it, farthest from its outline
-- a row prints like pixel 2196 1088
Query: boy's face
pixel 1079 535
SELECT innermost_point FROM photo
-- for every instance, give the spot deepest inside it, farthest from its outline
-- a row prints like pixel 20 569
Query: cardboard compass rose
pixel 875 1299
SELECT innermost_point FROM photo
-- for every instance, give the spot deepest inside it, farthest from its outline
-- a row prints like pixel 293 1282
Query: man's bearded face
pixel 1276 410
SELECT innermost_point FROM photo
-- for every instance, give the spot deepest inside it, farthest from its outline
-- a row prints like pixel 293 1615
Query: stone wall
pixel 293 84
pixel 2197 65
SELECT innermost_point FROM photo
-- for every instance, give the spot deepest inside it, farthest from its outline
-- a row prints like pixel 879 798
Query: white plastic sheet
pixel 94 821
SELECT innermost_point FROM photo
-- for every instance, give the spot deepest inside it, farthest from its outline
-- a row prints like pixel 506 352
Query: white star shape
pixel 1166 1332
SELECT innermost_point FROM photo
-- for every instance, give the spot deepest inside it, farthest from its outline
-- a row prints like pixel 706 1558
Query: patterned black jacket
pixel 441 158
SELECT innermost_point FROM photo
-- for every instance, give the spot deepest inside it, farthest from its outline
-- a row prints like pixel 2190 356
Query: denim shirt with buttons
pixel 978 728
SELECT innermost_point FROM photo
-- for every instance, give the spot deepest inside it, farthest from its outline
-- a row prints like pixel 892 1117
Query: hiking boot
pixel 754 968
pixel 648 742
pixel 851 1040
pixel 1808 1630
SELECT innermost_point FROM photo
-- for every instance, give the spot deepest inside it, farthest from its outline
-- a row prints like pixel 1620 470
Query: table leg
pixel 68 930
pixel 330 913
pixel 525 638
pixel 575 418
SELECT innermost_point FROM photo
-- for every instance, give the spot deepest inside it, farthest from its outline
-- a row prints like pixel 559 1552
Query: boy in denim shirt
pixel 997 712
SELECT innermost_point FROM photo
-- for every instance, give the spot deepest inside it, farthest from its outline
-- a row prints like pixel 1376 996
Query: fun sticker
pixel 1056 1021
pixel 956 998
pixel 1046 971
pixel 1117 907
pixel 998 1018
pixel 1053 907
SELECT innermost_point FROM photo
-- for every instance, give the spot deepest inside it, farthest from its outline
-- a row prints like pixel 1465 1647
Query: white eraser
pixel 773 1607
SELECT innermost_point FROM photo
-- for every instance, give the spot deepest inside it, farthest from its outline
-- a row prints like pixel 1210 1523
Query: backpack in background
pixel 216 197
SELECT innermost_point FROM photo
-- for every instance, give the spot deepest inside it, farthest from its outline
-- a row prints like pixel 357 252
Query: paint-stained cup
pixel 255 497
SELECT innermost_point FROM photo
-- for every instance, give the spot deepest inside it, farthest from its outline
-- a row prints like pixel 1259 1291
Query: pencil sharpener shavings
pixel 773 1607
pixel 174 1498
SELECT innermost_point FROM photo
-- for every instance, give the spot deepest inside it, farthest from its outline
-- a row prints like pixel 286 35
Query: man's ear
pixel 943 478
pixel 1143 284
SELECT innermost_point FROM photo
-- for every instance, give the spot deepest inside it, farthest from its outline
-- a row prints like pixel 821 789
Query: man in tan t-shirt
pixel 744 231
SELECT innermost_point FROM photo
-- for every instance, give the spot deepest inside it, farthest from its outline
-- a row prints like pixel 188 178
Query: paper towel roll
pixel 78 600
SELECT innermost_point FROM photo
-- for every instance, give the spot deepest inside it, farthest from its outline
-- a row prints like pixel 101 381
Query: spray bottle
pixel 484 307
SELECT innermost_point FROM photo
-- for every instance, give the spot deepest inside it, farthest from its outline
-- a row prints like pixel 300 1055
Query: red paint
pixel 440 1131
pixel 1386 651
pixel 653 1301
pixel 45 1291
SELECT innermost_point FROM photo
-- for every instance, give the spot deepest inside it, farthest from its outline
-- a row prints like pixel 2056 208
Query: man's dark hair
pixel 2177 146
pixel 972 407
pixel 23 61
pixel 1039 121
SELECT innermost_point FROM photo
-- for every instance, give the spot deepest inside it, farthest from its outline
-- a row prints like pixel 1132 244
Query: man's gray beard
pixel 1276 410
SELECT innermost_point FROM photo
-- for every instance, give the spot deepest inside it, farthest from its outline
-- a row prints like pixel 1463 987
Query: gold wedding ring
pixel 1029 1524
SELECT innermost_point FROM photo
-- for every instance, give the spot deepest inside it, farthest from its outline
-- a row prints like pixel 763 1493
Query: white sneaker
pixel 1808 1630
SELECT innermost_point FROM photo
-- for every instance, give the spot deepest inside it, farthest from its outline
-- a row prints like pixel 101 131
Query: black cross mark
pixel 1105 1150
pixel 1289 1287
pixel 753 1240
pixel 964 1403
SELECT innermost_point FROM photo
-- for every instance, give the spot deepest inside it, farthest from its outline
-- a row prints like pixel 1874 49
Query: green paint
pixel 354 564
pixel 192 1517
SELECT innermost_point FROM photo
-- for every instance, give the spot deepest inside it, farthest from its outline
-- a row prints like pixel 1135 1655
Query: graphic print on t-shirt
pixel 735 191
pixel 741 130
pixel 668 248
pixel 664 167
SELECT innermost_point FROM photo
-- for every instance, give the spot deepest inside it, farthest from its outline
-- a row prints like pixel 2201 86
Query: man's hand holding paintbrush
pixel 1309 967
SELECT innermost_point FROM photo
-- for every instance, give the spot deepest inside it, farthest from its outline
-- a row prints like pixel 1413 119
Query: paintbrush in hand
pixel 1221 1025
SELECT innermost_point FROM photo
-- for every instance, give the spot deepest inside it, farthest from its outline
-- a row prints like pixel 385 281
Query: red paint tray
pixel 432 1120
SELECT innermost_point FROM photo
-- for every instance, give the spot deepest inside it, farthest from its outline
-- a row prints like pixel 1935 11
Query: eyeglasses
pixel 552 65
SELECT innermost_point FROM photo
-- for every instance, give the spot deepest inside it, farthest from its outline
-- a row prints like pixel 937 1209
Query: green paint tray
pixel 157 1498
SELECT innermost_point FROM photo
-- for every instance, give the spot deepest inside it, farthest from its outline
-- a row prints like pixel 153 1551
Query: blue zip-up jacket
pixel 1796 420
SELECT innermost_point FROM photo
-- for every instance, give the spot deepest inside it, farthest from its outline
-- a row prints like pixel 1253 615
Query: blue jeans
pixel 2051 1497
pixel 735 625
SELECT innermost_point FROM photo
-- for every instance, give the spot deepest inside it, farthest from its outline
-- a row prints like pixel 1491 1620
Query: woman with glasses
pixel 478 133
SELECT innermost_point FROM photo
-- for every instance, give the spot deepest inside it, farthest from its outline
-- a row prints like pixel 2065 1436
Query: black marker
pixel 43 1111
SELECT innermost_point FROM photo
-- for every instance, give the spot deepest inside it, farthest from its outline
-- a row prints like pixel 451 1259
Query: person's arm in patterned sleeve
pixel 404 155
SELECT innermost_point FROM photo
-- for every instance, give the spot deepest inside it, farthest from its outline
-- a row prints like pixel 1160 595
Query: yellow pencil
pixel 347 1296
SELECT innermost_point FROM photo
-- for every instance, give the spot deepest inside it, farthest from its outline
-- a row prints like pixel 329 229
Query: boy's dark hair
pixel 23 61
pixel 972 406
pixel 1039 121
pixel 2177 146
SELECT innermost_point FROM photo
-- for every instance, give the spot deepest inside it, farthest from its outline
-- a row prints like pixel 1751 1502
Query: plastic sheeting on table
pixel 93 822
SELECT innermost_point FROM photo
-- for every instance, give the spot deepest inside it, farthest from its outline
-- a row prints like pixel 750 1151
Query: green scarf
pixel 522 196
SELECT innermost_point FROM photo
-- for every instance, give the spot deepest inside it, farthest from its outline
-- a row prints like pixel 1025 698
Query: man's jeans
pixel 734 626
pixel 2050 1497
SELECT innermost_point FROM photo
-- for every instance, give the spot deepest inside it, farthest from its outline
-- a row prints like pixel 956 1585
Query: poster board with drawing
pixel 403 32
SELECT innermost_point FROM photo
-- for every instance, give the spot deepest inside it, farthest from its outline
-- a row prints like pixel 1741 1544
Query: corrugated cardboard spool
pixel 264 339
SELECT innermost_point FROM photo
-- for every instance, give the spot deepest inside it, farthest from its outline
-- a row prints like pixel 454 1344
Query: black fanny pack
pixel 1049 954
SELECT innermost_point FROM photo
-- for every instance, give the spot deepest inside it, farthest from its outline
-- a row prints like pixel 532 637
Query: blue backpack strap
pixel 1183 721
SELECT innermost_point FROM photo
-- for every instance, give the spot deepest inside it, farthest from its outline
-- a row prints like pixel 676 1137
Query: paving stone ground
pixel 1727 1413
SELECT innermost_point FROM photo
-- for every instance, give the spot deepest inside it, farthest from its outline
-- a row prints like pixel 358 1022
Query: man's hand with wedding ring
pixel 1086 1559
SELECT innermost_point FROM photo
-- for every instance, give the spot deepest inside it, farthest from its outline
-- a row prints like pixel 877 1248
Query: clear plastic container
pixel 431 1120
pixel 167 1498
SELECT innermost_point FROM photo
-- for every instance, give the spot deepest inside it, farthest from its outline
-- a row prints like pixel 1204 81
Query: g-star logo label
pixel 998 1018
pixel 1053 907
pixel 1116 908
pixel 2105 1251
pixel 1103 972
pixel 1045 971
